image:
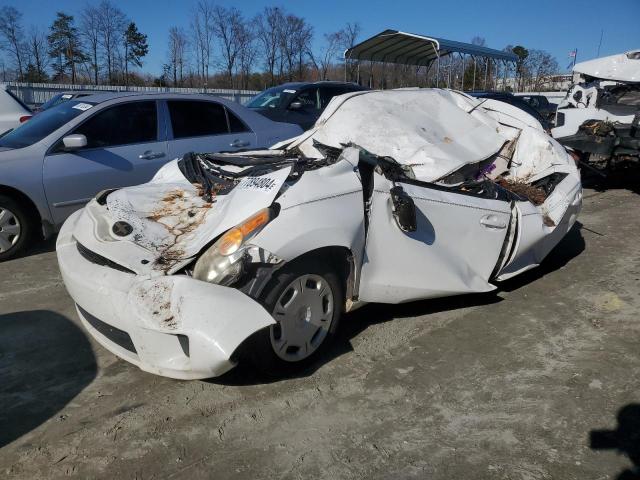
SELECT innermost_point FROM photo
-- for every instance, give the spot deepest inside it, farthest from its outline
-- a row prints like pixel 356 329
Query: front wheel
pixel 14 228
pixel 305 299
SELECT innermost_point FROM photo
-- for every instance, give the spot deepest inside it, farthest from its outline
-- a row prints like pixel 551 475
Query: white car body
pixel 12 111
pixel 608 93
pixel 332 190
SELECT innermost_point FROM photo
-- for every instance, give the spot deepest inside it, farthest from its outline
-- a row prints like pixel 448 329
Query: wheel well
pixel 341 259
pixel 25 201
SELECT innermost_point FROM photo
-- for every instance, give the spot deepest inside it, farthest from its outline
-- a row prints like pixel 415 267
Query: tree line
pixel 223 48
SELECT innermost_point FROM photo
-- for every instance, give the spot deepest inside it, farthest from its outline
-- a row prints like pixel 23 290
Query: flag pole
pixel 575 56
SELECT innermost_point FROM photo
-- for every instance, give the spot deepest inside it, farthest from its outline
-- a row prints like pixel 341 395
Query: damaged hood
pixel 167 221
pixel 433 131
pixel 623 67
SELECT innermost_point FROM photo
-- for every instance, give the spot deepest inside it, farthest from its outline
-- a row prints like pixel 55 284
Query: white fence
pixel 35 94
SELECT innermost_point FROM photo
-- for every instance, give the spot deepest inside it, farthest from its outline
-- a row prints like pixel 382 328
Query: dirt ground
pixel 538 380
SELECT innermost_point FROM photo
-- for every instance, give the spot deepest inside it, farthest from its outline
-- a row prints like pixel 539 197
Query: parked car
pixel 223 257
pixel 600 116
pixel 56 162
pixel 299 102
pixel 542 105
pixel 517 102
pixel 64 97
pixel 13 111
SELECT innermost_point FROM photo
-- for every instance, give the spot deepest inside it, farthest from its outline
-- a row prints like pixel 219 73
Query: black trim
pixel 117 336
pixel 97 259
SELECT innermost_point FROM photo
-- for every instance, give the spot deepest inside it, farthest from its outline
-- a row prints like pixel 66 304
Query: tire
pixel 306 299
pixel 15 228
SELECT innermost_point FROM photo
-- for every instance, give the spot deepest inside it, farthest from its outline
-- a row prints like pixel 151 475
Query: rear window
pixel 197 119
pixel 43 124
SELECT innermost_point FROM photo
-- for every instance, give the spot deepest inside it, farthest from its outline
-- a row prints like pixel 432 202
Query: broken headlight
pixel 223 262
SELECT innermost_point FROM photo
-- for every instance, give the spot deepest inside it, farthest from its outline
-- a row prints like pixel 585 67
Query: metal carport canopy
pixel 393 46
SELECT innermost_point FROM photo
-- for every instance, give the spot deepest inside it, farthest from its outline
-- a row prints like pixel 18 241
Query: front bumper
pixel 174 326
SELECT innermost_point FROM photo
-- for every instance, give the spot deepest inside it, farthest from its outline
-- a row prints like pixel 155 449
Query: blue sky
pixel 556 26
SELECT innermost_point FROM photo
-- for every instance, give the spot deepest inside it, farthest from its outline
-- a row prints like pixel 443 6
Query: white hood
pixel 623 67
pixel 170 220
pixel 433 131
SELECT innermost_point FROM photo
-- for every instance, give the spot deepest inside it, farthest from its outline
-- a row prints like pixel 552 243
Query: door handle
pixel 239 143
pixel 493 221
pixel 149 155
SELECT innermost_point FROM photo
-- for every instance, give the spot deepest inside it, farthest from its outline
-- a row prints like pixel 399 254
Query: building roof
pixel 393 46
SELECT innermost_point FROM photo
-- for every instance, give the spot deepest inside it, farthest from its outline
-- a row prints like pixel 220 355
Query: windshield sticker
pixel 261 184
pixel 83 106
pixel 67 96
pixel 286 90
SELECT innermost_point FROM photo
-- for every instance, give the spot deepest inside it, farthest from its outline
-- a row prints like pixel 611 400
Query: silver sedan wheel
pixel 304 312
pixel 9 230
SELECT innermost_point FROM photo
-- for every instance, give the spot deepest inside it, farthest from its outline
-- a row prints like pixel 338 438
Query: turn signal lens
pixel 231 241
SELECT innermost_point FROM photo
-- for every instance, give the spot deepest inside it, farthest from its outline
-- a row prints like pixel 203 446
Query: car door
pixel 124 147
pixel 455 248
pixel 205 126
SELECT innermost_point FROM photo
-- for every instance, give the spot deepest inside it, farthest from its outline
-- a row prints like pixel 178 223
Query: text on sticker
pixel 264 184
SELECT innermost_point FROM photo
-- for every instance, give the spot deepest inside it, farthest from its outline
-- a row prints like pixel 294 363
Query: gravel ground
pixel 538 380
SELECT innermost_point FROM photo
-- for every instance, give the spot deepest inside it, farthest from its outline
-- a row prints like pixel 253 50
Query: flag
pixel 572 53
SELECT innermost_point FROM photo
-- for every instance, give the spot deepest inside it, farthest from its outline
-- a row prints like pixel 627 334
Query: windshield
pixel 43 124
pixel 55 100
pixel 275 97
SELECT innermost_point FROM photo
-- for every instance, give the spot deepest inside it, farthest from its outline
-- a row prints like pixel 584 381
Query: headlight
pixel 222 263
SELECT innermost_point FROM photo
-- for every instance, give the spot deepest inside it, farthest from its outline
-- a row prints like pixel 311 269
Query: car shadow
pixel 624 439
pixel 571 245
pixel 45 361
pixel 354 323
pixel 625 177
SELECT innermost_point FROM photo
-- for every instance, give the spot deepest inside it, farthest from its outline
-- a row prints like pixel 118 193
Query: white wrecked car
pixel 600 116
pixel 393 196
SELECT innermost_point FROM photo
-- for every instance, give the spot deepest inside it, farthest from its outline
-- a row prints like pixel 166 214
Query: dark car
pixel 542 105
pixel 299 102
pixel 516 102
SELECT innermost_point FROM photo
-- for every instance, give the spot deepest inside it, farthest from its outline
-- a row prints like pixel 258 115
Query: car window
pixel 327 93
pixel 276 97
pixel 309 99
pixel 196 118
pixel 43 124
pixel 235 124
pixel 123 124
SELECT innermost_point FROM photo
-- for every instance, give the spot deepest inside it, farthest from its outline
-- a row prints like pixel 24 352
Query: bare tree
pixel 329 52
pixel 295 43
pixel 203 32
pixel 538 68
pixel 112 23
pixel 39 59
pixel 267 27
pixel 248 51
pixel 12 36
pixel 227 25
pixel 350 34
pixel 178 44
pixel 90 29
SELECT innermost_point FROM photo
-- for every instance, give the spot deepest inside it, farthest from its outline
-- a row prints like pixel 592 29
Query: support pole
pixel 473 87
pixel 486 72
pixel 438 73
pixel 463 63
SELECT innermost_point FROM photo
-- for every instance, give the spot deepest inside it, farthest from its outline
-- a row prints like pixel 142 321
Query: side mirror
pixel 404 210
pixel 75 141
pixel 295 106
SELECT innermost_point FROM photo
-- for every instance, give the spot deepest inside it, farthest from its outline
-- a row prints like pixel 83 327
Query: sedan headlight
pixel 222 263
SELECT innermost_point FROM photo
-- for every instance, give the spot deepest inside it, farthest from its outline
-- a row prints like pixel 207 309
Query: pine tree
pixel 135 48
pixel 65 46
